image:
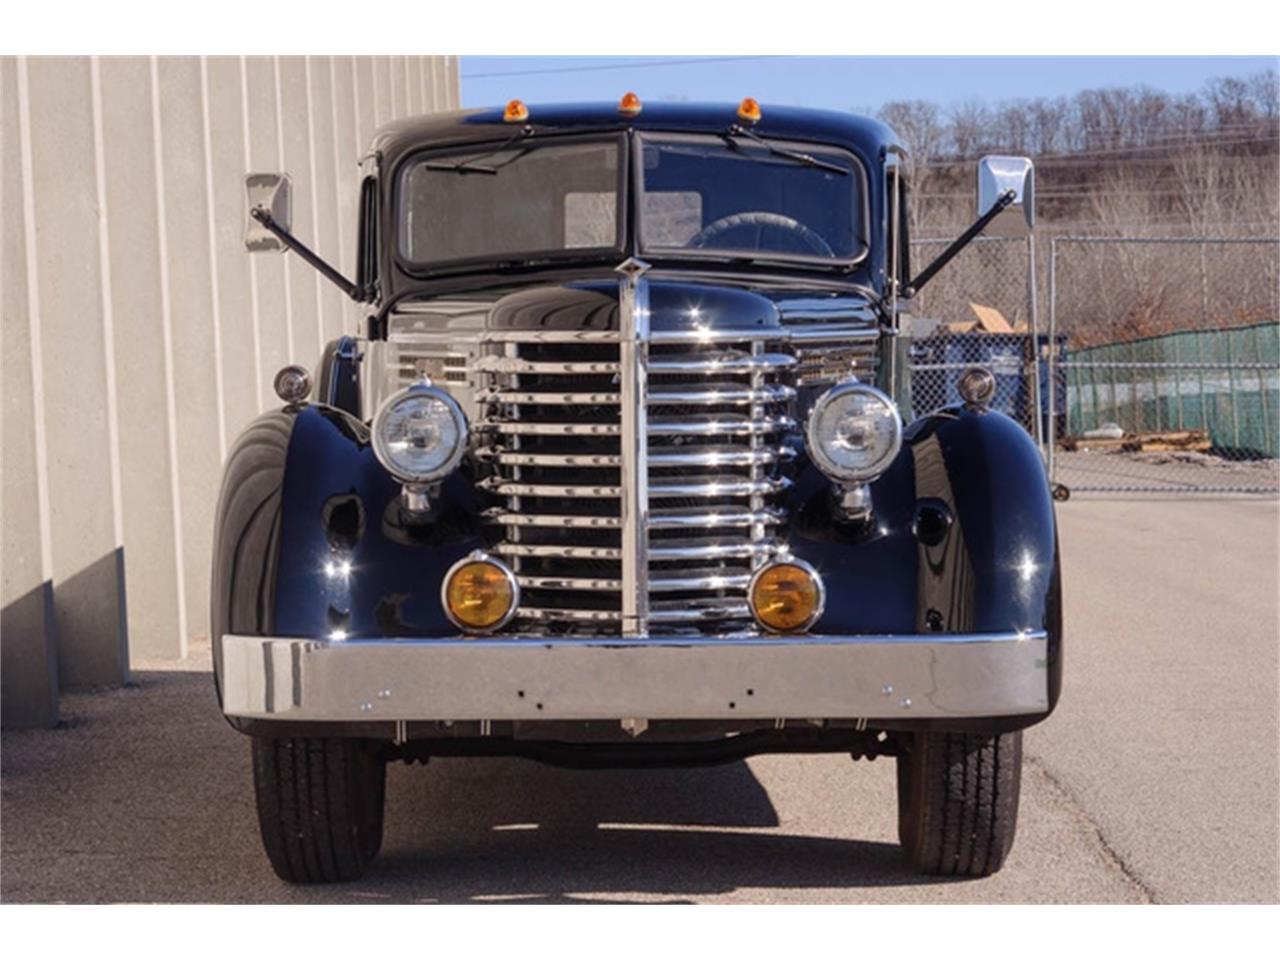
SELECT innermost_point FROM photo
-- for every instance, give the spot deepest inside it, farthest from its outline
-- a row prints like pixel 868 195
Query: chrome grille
pixel 719 416
pixel 555 454
pixel 550 447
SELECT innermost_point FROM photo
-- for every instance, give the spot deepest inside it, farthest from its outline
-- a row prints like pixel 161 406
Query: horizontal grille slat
pixel 724 362
pixel 715 394
pixel 719 456
pixel 701 611
pixel 523 428
pixel 526 459
pixel 688 580
pixel 713 426
pixel 683 519
pixel 565 521
pixel 552 367
pixel 722 486
pixel 705 549
pixel 551 615
pixel 511 488
pixel 569 583
pixel 571 551
pixel 547 397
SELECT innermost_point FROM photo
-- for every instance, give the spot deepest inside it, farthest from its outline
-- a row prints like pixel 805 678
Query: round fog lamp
pixel 479 594
pixel 787 596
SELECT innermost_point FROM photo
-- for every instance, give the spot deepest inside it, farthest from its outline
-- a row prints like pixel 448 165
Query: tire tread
pixel 320 803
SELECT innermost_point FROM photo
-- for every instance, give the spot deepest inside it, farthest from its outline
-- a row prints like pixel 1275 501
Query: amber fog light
pixel 786 596
pixel 479 593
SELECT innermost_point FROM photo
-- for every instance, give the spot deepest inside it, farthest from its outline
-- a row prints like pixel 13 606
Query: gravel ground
pixel 1156 779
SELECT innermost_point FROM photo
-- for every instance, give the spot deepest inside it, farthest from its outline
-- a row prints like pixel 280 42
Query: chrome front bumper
pixel 811 677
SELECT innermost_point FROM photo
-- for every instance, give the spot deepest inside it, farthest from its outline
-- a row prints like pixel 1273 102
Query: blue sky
pixel 859 84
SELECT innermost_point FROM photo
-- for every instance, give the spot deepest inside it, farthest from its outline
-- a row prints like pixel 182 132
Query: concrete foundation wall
pixel 139 336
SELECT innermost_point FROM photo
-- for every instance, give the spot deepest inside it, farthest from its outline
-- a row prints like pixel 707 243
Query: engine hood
pixel 676 306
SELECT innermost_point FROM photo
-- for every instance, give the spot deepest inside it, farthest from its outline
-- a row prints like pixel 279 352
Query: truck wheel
pixel 958 801
pixel 319 806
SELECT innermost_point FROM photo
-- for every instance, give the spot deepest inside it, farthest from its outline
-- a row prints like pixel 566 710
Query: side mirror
pixel 271 192
pixel 996 175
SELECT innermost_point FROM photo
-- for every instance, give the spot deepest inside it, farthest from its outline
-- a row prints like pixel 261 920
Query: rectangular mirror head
pixel 995 176
pixel 272 192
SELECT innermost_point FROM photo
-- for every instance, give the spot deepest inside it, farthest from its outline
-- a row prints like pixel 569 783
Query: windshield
pixel 526 200
pixel 736 196
pixel 701 196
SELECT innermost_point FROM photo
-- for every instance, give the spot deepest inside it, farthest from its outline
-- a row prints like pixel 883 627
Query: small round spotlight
pixel 630 105
pixel 787 596
pixel 977 386
pixel 515 112
pixel 293 384
pixel 479 594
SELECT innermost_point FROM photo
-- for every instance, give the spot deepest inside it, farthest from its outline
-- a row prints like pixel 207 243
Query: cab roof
pixel 865 136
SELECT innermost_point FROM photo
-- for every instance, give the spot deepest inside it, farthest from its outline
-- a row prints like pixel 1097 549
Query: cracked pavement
pixel 1156 779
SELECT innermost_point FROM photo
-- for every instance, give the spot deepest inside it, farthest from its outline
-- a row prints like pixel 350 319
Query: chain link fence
pixel 1166 365
pixel 979 311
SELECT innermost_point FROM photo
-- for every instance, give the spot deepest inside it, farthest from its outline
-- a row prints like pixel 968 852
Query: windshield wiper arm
pixel 469 164
pixel 737 130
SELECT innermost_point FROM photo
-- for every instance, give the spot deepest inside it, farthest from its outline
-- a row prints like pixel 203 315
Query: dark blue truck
pixel 615 475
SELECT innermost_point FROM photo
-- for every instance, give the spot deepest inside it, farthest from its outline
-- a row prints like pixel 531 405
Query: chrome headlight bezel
pixel 817 450
pixel 381 451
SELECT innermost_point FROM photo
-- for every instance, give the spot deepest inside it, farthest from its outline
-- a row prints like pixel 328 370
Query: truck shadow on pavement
pixel 145 794
pixel 494 829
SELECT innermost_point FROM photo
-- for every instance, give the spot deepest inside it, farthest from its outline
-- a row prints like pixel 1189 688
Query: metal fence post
pixel 1053 354
pixel 1036 403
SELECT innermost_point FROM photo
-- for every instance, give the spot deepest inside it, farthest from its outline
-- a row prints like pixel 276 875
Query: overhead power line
pixel 630 65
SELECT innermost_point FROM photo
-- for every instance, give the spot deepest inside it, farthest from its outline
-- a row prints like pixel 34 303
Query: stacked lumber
pixel 1151 442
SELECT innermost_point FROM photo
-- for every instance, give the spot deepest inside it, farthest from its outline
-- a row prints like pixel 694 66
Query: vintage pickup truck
pixel 616 474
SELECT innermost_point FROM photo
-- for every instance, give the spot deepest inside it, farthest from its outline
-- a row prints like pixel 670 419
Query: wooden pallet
pixel 1162 441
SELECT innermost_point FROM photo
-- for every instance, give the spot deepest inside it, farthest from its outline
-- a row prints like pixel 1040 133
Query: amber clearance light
pixel 479 593
pixel 786 597
pixel 515 112
pixel 630 105
pixel 749 110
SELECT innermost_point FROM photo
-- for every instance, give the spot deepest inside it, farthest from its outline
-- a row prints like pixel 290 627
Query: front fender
pixel 995 570
pixel 304 507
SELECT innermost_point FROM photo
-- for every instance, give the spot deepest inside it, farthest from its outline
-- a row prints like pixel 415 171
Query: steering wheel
pixel 761 218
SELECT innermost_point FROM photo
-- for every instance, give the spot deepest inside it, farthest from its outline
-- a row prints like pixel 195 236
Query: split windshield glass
pixel 734 197
pixel 525 201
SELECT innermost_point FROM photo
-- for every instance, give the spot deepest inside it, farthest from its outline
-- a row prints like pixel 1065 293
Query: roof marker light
pixel 515 112
pixel 630 105
pixel 749 110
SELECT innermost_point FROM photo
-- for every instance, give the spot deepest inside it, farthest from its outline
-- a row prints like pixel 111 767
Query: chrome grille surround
pixel 640 477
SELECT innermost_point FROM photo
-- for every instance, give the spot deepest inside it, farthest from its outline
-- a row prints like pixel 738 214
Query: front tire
pixel 958 801
pixel 320 803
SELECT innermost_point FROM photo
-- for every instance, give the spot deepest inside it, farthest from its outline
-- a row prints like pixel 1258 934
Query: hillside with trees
pixel 1125 162
pixel 1121 159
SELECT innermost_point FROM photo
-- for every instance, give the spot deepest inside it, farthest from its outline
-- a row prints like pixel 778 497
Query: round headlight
pixel 854 432
pixel 420 434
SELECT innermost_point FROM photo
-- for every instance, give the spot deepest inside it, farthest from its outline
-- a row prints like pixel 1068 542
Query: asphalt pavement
pixel 1157 779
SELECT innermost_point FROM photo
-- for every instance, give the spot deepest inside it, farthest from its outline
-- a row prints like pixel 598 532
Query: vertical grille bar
pixel 633 322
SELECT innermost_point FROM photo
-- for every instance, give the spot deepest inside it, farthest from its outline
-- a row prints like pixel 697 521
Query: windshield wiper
pixel 469 165
pixel 737 130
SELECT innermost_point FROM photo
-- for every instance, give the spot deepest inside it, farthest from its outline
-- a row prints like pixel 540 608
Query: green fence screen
pixel 1224 381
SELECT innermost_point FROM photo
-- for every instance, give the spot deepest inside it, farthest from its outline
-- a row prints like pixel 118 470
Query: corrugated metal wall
pixel 139 337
